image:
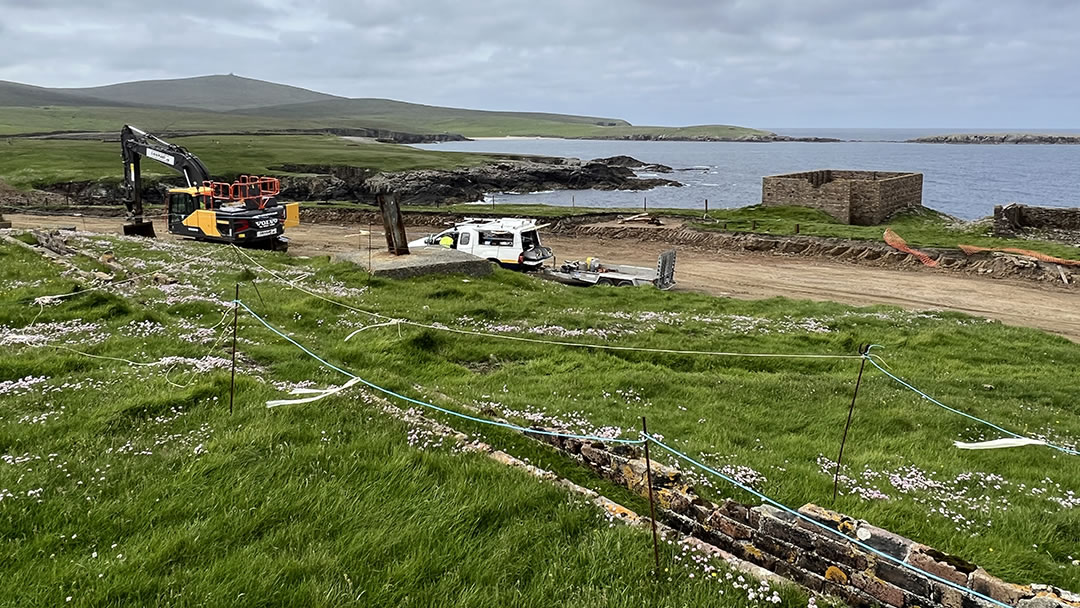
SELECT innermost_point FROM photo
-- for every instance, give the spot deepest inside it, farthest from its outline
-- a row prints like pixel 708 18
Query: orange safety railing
pixel 246 187
pixel 220 190
pixel 267 186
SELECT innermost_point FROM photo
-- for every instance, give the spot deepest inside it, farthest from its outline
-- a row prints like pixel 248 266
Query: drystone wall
pixel 818 559
pixel 893 194
pixel 1012 219
pixel 865 198
pixel 812 189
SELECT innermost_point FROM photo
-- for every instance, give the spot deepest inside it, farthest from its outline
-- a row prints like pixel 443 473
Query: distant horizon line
pixel 976 129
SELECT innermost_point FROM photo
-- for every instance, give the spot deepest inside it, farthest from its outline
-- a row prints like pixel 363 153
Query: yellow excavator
pixel 243 212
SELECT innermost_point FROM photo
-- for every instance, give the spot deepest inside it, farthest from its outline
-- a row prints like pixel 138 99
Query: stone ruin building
pixel 864 198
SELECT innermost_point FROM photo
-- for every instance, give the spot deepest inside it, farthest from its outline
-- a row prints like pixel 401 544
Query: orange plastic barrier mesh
pixel 973 249
pixel 900 244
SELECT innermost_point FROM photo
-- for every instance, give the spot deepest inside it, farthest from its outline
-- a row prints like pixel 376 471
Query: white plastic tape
pixel 999 443
pixel 319 394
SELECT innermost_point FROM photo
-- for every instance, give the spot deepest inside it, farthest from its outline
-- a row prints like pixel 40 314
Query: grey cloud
pixel 757 62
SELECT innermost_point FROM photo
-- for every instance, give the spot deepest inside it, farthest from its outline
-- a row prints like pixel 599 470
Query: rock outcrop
pixel 427 186
pixel 996 138
pixel 752 137
pixel 471 183
pixel 632 163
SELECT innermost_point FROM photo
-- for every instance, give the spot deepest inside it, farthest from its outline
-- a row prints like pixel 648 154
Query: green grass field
pixel 50 119
pixel 133 485
pixel 28 163
pixel 267 499
pixel 417 119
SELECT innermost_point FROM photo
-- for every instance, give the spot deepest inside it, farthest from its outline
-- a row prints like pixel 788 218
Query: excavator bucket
pixel 143 228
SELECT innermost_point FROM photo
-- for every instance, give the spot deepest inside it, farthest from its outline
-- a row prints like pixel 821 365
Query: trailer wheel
pixel 626 284
pixel 604 281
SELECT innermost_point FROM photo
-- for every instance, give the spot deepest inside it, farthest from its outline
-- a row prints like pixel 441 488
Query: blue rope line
pixel 956 411
pixel 294 342
pixel 430 405
pixel 647 437
pixel 855 541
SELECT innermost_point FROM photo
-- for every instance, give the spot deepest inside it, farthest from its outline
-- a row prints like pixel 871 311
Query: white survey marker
pixel 319 394
pixel 999 443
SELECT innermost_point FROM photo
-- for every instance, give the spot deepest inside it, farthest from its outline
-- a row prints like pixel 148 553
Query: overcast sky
pixel 763 63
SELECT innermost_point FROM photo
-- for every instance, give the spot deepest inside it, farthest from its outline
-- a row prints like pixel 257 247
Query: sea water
pixel 962 180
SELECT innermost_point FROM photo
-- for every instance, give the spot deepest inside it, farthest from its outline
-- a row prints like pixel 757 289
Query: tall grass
pixel 773 423
pixel 133 485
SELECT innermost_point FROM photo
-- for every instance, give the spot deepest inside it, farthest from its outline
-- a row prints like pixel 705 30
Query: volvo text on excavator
pixel 244 212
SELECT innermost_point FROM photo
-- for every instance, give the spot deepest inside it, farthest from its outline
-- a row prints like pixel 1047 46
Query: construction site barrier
pixel 973 249
pixel 894 241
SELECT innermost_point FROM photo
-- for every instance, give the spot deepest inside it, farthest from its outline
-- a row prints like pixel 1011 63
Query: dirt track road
pixel 749 276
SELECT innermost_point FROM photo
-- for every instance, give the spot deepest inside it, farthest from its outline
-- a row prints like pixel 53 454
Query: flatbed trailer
pixel 593 272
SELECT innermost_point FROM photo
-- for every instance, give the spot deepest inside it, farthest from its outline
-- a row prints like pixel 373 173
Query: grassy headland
pixel 49 119
pixel 233 104
pixel 28 163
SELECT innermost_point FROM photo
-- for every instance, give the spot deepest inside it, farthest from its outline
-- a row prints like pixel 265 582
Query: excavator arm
pixel 136 144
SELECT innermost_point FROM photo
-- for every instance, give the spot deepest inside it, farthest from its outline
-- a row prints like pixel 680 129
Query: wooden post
pixel 706 206
pixel 396 241
pixel 652 502
pixel 753 226
pixel 851 410
pixel 573 203
pixel 644 203
pixel 235 322
pixel 796 229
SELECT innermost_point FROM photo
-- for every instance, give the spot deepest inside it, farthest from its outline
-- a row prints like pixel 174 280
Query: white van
pixel 509 242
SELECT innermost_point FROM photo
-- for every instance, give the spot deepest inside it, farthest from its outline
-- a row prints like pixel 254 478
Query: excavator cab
pixel 181 204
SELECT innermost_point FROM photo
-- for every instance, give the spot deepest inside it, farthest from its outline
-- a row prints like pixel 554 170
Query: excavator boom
pixel 136 144
pixel 243 212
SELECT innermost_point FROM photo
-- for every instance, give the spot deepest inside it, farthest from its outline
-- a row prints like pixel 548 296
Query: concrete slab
pixel 419 262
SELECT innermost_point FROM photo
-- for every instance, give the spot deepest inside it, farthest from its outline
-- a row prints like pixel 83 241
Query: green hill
pixel 419 118
pixel 388 113
pixel 14 94
pixel 230 104
pixel 218 93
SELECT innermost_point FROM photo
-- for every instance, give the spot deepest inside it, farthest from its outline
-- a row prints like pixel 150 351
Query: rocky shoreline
pixel 996 138
pixel 418 187
pixel 762 138
pixel 471 183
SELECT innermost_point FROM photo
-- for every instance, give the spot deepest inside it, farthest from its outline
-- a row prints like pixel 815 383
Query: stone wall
pixel 864 198
pixel 808 554
pixel 1013 218
pixel 810 189
pixel 894 193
